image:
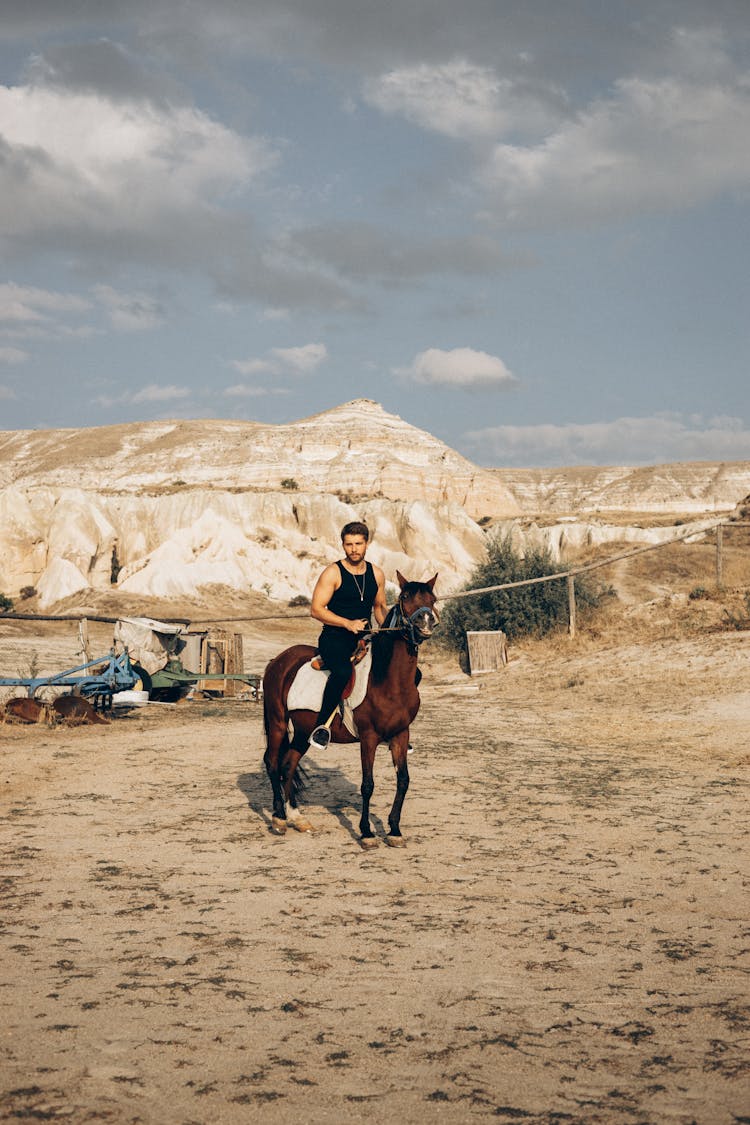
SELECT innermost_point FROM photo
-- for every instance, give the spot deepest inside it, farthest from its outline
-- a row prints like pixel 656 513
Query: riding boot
pixel 321 734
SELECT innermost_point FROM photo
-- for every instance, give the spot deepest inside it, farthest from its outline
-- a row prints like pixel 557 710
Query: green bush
pixel 524 611
pixel 6 604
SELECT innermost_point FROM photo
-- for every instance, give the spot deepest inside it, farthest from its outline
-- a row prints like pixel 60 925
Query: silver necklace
pixel 361 589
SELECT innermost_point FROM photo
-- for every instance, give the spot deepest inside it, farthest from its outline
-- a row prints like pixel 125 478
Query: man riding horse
pixel 347 594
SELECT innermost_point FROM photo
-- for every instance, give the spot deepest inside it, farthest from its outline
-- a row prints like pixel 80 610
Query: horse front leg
pixel 367 747
pixel 399 747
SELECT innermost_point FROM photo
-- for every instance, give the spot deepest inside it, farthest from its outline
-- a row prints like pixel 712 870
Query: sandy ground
pixel 565 938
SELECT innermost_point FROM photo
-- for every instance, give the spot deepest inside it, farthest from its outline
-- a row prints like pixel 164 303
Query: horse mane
pixel 382 651
pixel 382 648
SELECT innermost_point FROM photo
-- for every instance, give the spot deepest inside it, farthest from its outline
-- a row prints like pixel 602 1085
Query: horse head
pixel 417 608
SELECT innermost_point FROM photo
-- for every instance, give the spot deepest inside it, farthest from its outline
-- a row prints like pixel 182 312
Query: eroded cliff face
pixel 681 488
pixel 67 540
pixel 166 509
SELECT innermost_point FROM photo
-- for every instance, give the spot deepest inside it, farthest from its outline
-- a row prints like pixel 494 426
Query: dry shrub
pixel 534 610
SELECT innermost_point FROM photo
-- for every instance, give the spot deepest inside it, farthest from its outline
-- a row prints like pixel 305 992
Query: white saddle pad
pixel 306 691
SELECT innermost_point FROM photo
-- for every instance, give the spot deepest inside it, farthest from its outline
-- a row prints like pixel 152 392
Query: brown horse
pixel 390 705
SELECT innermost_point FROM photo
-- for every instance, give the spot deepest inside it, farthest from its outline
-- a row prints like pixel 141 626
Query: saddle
pixel 357 657
pixel 306 689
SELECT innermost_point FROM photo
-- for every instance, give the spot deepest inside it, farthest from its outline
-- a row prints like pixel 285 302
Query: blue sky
pixel 521 226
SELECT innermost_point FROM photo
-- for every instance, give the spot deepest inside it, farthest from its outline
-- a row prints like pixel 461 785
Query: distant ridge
pixel 356 448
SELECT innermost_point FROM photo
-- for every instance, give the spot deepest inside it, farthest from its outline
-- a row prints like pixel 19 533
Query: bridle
pixel 409 626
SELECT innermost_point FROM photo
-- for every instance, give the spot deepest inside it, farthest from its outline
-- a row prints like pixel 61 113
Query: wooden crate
pixel 488 651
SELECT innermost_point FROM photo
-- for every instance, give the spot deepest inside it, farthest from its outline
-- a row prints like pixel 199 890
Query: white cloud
pixel 243 390
pixel 460 367
pixel 154 184
pixel 6 393
pixel 75 159
pixel 23 304
pixel 297 361
pixel 130 312
pixel 13 355
pixel 301 359
pixel 649 145
pixel 625 441
pixel 460 99
pixel 252 366
pixel 155 392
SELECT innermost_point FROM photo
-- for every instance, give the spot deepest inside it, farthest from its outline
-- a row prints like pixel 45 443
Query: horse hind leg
pixel 293 786
pixel 399 747
pixel 274 757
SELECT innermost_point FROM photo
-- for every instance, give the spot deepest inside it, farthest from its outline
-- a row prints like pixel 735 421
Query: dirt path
pixel 565 939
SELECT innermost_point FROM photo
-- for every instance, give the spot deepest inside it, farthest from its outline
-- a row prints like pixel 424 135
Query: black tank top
pixel 356 595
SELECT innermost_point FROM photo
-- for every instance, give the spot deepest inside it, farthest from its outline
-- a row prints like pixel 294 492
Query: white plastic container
pixel 130 698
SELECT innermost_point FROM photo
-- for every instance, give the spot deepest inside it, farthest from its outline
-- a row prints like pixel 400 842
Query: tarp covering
pixel 149 643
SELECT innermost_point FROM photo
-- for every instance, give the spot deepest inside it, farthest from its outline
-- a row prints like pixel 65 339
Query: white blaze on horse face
pixel 424 619
pixel 429 620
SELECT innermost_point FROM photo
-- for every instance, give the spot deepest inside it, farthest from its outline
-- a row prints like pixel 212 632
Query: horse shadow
pixel 327 787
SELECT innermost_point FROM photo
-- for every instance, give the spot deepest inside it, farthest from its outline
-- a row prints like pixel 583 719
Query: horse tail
pixel 299 781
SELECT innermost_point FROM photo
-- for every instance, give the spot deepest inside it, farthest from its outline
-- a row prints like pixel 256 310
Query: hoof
pixel 278 826
pixel 300 824
pixel 368 842
pixel 395 841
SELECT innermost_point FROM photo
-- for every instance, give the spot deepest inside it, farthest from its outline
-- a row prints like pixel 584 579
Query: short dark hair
pixel 355 528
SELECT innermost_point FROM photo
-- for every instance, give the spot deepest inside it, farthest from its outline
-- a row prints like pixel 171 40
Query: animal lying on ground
pixel 76 710
pixel 27 710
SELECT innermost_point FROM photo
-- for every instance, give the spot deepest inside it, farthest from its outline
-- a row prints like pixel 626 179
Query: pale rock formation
pixel 171 508
pixel 565 539
pixel 59 580
pixel 23 550
pixel 681 488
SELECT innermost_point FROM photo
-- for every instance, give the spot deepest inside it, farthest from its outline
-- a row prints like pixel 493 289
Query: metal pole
pixel 571 605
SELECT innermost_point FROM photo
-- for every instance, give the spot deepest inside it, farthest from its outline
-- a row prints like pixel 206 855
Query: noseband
pixel 410 627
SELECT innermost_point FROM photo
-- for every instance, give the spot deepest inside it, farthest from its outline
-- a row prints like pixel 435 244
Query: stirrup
pixel 320 738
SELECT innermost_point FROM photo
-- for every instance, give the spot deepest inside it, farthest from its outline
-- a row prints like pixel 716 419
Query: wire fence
pixel 572 572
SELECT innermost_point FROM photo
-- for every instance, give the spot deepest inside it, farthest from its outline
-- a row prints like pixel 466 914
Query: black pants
pixel 336 647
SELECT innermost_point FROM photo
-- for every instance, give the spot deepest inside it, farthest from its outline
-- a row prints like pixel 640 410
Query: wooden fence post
pixel 83 638
pixel 571 605
pixel 720 556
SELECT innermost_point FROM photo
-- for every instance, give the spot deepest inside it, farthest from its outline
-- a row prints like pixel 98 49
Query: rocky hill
pixel 356 449
pixel 167 509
